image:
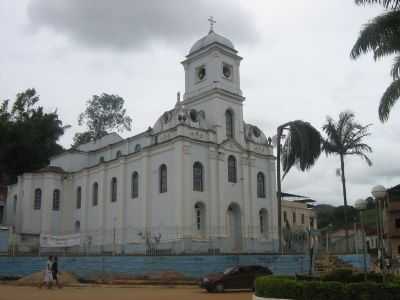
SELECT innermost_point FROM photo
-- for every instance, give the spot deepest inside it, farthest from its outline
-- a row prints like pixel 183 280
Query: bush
pixel 319 290
pixel 339 275
pixel 281 287
pixel 272 287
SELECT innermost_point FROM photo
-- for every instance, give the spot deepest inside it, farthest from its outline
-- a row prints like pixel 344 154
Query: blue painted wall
pixel 3 241
pixel 192 266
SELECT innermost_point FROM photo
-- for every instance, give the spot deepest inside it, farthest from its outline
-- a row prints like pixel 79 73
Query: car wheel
pixel 219 288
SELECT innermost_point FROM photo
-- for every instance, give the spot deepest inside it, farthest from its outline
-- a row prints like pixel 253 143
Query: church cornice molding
pixel 209 49
pixel 210 93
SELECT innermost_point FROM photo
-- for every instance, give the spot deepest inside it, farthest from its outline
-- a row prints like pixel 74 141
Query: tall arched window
pixel 163 178
pixel 197 177
pixel 119 154
pixel 229 123
pixel 114 189
pixel 199 210
pixel 263 215
pixel 95 194
pixel 260 185
pixel 78 197
pixel 138 148
pixel 56 200
pixel 37 203
pixel 135 185
pixel 232 169
pixel 294 218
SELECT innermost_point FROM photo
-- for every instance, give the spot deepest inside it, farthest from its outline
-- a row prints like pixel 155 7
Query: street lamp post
pixel 379 192
pixel 361 205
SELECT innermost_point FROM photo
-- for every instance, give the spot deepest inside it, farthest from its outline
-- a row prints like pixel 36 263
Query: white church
pixel 200 180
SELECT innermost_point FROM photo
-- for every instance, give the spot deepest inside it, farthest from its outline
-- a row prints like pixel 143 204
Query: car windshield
pixel 229 270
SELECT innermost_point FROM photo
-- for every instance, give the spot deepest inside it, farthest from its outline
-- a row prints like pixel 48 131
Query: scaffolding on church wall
pixel 175 241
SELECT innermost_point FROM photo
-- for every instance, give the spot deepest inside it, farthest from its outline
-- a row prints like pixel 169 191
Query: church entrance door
pixel 235 227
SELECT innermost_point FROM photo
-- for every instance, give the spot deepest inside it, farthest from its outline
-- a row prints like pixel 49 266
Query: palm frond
pixel 379 34
pixel 302 146
pixel 395 72
pixel 388 99
pixel 392 4
pixel 345 136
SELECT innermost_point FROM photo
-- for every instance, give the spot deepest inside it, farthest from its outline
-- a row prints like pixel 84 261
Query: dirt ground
pixel 103 292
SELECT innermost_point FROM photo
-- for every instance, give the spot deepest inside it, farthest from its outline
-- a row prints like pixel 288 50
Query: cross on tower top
pixel 212 22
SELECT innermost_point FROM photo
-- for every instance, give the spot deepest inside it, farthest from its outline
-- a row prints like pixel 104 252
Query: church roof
pixel 209 39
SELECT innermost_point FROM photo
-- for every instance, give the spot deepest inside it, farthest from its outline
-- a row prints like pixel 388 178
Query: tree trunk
pixel 278 184
pixel 346 224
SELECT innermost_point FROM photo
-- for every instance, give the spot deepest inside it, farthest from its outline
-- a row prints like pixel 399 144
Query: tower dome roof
pixel 209 39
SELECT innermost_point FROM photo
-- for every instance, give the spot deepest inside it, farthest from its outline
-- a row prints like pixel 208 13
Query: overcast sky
pixel 296 66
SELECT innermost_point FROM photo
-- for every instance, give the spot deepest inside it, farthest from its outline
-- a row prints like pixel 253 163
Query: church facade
pixel 200 180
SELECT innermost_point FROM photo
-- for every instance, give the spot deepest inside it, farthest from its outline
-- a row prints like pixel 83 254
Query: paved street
pixel 8 292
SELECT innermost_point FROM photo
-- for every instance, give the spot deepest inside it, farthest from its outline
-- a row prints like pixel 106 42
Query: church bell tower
pixel 212 63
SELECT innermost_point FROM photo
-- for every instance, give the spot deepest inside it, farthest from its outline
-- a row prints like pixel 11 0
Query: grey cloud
pixel 136 24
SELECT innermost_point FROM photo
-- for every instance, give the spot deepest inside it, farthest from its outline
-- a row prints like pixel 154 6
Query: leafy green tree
pixel 345 138
pixel 102 114
pixel 28 136
pixel 381 36
pixel 302 147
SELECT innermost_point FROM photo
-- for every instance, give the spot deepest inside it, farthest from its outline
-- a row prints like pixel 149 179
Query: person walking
pixel 54 270
pixel 48 274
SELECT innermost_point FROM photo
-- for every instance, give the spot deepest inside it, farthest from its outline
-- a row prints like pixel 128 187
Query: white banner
pixel 53 241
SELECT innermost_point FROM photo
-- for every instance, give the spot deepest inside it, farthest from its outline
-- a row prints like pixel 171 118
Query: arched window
pixel 263 215
pixel 232 169
pixel 56 200
pixel 77 226
pixel 294 218
pixel 95 194
pixel 163 178
pixel 260 185
pixel 229 123
pixel 114 189
pixel 199 210
pixel 197 177
pixel 135 185
pixel 101 159
pixel 138 148
pixel 119 154
pixel 37 203
pixel 78 197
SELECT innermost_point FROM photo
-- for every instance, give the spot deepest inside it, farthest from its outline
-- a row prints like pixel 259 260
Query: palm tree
pixel 302 147
pixel 381 36
pixel 345 137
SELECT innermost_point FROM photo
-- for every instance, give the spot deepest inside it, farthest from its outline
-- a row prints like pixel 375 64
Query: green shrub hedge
pixel 325 290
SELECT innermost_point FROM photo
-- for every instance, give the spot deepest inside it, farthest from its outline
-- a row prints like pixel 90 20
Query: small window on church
pixel 114 189
pixel 163 178
pixel 37 204
pixel 135 184
pixel 227 71
pixel 197 177
pixel 138 148
pixel 101 159
pixel 95 194
pixel 232 176
pixel 229 124
pixel 260 185
pixel 119 154
pixel 263 215
pixel 199 210
pixel 56 200
pixel 78 197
